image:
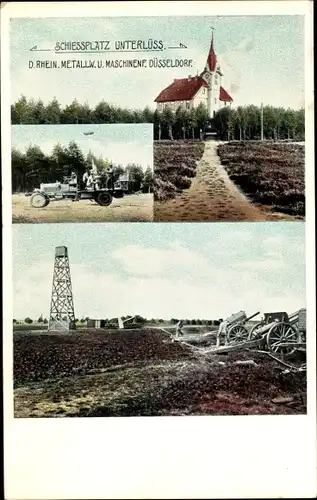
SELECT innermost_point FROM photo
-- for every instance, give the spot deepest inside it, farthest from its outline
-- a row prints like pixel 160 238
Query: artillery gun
pixel 277 332
pixel 237 330
pixel 267 319
pixel 283 333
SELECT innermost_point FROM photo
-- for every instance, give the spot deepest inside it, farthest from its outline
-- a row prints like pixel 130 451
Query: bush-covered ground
pixel 143 373
pixel 174 166
pixel 270 174
pixel 39 356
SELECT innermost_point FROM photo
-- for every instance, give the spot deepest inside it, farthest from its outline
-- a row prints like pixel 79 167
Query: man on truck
pixel 88 178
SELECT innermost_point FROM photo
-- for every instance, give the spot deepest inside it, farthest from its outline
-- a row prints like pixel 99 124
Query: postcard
pixel 158 232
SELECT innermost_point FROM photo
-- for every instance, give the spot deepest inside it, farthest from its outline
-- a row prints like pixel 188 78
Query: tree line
pixel 138 320
pixel 32 167
pixel 244 123
pixel 241 123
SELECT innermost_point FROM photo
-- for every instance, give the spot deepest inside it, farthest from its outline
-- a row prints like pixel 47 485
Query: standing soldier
pixel 222 330
pixel 179 330
pixel 110 177
pixel 86 176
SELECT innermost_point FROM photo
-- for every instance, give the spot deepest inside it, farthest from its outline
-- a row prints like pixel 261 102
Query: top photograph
pixel 221 100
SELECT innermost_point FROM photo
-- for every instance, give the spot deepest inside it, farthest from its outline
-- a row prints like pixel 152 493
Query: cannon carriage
pixel 280 333
pixel 237 329
pixel 272 317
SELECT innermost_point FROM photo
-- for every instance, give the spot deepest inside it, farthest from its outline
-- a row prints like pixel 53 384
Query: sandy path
pixel 134 208
pixel 212 196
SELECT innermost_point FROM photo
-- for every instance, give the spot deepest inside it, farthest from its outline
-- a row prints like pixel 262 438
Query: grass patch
pixel 269 174
pixel 175 165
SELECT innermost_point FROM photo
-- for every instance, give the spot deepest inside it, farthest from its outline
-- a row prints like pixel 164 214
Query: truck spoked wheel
pixel 104 199
pixel 39 200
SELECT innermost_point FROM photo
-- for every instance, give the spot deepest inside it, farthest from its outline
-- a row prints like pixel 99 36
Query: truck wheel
pixel 104 199
pixel 39 200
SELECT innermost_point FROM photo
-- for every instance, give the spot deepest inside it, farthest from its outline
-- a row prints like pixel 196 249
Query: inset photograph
pixel 148 321
pixel 219 159
pixel 81 173
pixel 215 180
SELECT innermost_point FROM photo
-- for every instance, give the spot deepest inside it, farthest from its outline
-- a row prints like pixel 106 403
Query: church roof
pixel 182 89
pixel 224 96
pixel 185 89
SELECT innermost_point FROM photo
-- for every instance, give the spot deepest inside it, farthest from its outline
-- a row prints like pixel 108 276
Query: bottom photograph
pixel 159 320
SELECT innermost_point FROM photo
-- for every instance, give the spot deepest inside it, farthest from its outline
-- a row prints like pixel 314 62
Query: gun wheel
pixel 237 333
pixel 281 337
pixel 253 334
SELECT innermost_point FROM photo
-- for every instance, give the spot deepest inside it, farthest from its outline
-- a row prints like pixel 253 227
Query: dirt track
pixel 134 208
pixel 212 196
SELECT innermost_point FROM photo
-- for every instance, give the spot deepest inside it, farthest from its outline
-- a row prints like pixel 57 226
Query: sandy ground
pixel 134 208
pixel 212 196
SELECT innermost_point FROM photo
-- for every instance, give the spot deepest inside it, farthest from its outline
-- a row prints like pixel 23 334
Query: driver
pixel 73 179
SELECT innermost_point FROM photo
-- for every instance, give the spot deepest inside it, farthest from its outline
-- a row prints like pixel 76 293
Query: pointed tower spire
pixel 211 59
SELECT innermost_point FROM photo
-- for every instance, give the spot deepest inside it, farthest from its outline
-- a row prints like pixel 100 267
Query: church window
pixel 187 104
pixel 215 101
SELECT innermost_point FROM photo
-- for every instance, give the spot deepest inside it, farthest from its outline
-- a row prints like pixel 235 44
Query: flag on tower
pixel 94 166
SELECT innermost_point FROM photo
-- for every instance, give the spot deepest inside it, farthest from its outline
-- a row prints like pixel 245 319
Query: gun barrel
pixel 293 315
pixel 265 328
pixel 252 316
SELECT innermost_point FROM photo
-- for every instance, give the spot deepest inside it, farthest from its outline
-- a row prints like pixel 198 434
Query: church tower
pixel 212 76
pixel 204 88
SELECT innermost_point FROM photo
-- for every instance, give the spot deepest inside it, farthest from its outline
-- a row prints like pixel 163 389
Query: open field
pixel 253 185
pixel 174 166
pixel 270 174
pixel 134 208
pixel 143 372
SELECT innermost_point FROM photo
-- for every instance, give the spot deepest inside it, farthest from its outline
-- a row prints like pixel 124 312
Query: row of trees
pixel 241 123
pixel 244 123
pixel 139 320
pixel 29 321
pixel 28 111
pixel 33 166
pixel 196 321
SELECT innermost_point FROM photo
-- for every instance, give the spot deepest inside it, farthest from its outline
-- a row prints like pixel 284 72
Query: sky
pixel 119 143
pixel 163 270
pixel 262 58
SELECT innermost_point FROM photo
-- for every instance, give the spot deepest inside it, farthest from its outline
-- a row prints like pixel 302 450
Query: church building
pixel 206 88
